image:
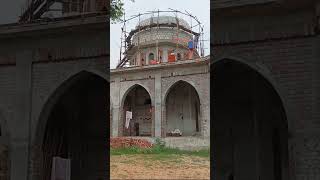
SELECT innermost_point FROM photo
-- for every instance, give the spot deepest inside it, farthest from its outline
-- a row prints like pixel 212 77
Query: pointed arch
pixel 63 107
pixel 138 100
pixel 261 69
pixel 248 110
pixel 177 82
pixel 182 109
pixel 54 97
pixel 132 87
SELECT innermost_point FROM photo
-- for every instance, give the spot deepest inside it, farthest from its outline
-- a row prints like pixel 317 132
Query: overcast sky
pixel 198 8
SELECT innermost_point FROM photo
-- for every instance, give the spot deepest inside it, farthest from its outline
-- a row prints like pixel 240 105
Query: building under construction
pixel 160 87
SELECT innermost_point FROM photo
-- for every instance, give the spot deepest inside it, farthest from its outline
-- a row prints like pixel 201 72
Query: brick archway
pixel 264 71
pixel 64 102
pixel 249 122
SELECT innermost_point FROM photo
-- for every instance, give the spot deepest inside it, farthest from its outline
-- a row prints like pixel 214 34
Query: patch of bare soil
pixel 157 167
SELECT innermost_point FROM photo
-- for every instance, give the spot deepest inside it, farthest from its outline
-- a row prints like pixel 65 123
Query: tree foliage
pixel 117 10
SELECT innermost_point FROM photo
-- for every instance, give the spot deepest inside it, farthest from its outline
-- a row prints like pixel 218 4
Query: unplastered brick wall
pixel 7 92
pixel 284 45
pixel 47 78
pixel 3 162
pixel 290 63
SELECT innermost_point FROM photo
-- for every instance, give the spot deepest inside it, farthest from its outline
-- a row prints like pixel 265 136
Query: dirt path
pixel 159 167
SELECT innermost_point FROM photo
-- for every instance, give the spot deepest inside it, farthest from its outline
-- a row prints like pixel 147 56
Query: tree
pixel 116 11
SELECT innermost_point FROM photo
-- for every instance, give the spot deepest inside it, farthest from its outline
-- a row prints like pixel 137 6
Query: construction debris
pixel 123 142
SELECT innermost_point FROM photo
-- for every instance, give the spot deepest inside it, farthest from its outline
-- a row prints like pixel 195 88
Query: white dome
pixel 164 20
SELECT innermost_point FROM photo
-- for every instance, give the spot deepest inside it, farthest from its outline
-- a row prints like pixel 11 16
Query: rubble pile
pixel 122 142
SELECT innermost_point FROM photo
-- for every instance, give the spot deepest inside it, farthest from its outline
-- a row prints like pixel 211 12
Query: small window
pixel 178 56
pixel 151 56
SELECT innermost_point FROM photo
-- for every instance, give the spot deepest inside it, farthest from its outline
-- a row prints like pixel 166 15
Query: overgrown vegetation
pixel 160 150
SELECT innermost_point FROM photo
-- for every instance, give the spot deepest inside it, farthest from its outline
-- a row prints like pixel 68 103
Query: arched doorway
pixel 138 102
pixel 74 126
pixel 182 110
pixel 250 131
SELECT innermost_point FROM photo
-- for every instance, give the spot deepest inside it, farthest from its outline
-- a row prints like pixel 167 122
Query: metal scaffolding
pixel 35 9
pixel 126 37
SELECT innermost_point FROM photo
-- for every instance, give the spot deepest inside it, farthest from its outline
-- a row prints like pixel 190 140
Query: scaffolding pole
pixel 157 40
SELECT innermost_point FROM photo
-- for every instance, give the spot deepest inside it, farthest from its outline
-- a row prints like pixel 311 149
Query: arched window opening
pixel 179 56
pixel 151 56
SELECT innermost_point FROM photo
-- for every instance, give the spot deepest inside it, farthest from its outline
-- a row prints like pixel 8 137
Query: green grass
pixel 160 151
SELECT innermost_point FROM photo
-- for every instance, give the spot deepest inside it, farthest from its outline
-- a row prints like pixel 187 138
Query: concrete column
pixel 115 119
pixel 205 119
pixel 205 108
pixel 116 107
pixel 163 119
pixel 157 52
pixel 21 123
pixel 138 61
pixel 147 57
pixel 165 55
pixel 157 105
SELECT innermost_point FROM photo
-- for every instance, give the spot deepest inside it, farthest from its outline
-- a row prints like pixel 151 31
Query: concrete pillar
pixel 138 60
pixel 21 123
pixel 157 105
pixel 147 60
pixel 165 55
pixel 205 119
pixel 116 107
pixel 115 119
pixel 163 119
pixel 205 108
